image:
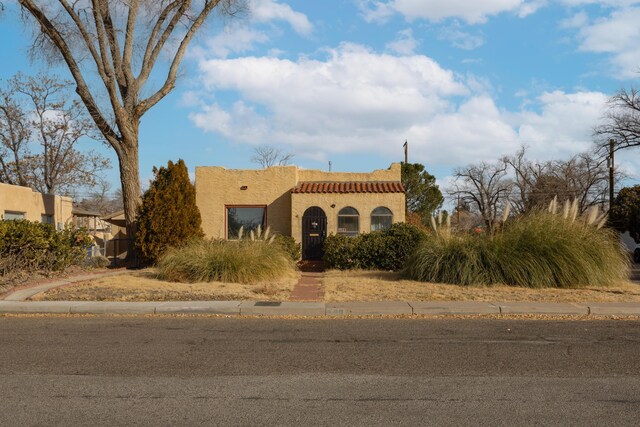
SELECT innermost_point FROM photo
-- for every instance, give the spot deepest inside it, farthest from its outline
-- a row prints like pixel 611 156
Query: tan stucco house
pixel 305 204
pixel 18 202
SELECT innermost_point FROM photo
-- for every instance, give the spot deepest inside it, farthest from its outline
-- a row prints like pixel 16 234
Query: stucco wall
pixel 218 187
pixel 14 198
pixel 392 174
pixel 363 203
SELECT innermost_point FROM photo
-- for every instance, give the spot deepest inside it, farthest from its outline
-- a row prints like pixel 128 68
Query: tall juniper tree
pixel 168 215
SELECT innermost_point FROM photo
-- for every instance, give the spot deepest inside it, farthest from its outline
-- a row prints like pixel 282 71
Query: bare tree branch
pixel 485 187
pixel 108 32
pixel 622 121
pixel 56 125
pixel 267 156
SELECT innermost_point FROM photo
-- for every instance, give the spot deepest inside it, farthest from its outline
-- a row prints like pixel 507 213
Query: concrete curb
pixel 318 309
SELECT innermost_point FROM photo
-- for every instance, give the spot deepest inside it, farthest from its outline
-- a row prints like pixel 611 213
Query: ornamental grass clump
pixel 241 261
pixel 537 250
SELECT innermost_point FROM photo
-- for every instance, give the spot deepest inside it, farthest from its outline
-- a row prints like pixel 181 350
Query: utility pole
pixel 406 152
pixel 329 165
pixel 611 166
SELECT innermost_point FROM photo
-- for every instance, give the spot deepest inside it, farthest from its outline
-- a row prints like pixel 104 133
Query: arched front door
pixel 314 230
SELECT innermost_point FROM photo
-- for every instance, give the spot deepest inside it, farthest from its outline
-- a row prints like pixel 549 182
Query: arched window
pixel 381 218
pixel 348 221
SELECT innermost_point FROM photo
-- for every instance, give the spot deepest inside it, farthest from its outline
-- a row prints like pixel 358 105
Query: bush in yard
pixel 33 246
pixel 536 250
pixel 386 249
pixel 168 215
pixel 339 252
pixel 289 245
pixel 241 261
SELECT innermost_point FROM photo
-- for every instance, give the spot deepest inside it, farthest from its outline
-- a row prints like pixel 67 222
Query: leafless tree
pixel 15 134
pixel 102 200
pixel 267 156
pixel 586 179
pixel 622 121
pixel 111 49
pixel 525 176
pixel 583 177
pixel 40 110
pixel 486 188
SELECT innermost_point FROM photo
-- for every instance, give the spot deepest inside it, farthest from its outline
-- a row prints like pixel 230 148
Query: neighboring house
pixel 305 204
pixel 18 202
pixel 117 241
pixel 90 220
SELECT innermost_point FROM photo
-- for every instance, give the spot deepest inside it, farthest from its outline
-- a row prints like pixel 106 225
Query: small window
pixel 13 216
pixel 381 218
pixel 46 219
pixel 247 217
pixel 348 222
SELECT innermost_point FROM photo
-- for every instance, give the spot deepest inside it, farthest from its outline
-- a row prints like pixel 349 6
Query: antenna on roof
pixel 329 165
pixel 406 152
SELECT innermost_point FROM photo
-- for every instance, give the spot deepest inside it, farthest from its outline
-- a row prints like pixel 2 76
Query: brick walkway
pixel 308 288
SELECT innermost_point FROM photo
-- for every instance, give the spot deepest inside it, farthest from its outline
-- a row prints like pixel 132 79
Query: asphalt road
pixel 188 371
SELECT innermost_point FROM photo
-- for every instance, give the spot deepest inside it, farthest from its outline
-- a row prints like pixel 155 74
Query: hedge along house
pixel 305 204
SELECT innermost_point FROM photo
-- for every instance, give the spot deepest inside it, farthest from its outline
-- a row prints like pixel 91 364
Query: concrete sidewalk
pixel 314 309
pixel 16 302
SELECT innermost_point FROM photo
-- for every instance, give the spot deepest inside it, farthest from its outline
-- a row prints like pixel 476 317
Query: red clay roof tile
pixel 349 187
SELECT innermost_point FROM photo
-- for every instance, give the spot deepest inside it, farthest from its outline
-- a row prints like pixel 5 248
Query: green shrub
pixel 289 245
pixel 242 261
pixel 339 252
pixel 537 250
pixel 386 249
pixel 168 216
pixel 34 246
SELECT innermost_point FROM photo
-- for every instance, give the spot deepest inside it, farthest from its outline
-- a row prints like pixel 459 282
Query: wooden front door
pixel 314 231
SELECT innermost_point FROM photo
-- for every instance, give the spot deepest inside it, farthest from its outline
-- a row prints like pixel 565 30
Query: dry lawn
pixel 340 286
pixel 143 286
pixel 343 286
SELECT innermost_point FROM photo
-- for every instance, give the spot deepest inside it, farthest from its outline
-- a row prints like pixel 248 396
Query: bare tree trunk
pixel 131 194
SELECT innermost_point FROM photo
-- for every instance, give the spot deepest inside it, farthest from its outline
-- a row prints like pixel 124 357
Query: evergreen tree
pixel 625 212
pixel 168 215
pixel 423 197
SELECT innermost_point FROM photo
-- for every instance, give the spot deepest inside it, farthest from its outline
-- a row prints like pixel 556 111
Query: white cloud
pixel 234 39
pixel 361 102
pixel 470 11
pixel 605 3
pixel 405 44
pixel 459 38
pixel 617 35
pixel 531 7
pixel 564 124
pixel 376 10
pixel 579 20
pixel 271 10
pixel 243 36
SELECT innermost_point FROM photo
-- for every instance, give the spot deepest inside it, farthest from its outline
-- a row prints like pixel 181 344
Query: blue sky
pixel 350 80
